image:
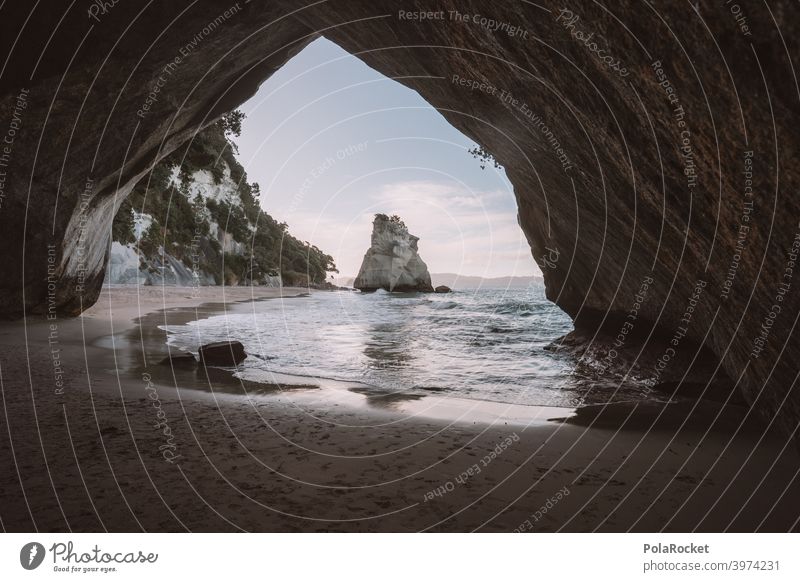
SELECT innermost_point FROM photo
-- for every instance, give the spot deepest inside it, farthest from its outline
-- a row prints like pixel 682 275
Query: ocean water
pixel 484 344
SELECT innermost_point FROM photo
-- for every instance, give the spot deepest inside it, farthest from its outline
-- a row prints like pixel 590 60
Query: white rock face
pixel 123 265
pixel 126 265
pixel 141 222
pixel 392 261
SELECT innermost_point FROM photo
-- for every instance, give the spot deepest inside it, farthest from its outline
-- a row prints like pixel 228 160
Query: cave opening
pixel 285 190
pixel 332 142
pixel 232 238
pixel 324 145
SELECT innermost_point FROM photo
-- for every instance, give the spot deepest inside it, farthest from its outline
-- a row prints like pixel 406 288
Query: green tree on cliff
pixel 182 227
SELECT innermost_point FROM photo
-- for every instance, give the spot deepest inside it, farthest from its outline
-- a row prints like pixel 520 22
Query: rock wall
pixel 644 143
pixel 392 261
pixel 131 263
pixel 127 266
pixel 128 263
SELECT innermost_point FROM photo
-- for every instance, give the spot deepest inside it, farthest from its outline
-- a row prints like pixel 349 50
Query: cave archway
pixel 654 184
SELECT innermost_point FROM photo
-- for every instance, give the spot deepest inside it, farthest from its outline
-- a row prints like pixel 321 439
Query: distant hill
pixel 455 281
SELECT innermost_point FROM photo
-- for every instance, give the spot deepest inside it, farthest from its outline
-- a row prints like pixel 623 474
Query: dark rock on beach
pixel 222 354
pixel 179 360
pixel 442 289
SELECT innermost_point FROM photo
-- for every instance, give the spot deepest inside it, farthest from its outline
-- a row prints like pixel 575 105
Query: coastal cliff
pixel 663 162
pixel 196 220
pixel 392 261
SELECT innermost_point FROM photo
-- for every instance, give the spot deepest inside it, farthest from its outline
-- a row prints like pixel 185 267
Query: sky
pixel 332 142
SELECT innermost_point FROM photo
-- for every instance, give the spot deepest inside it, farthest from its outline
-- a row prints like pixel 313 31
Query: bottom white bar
pixel 419 557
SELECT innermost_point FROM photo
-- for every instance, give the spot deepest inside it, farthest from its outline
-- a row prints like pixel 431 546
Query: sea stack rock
pixel 392 261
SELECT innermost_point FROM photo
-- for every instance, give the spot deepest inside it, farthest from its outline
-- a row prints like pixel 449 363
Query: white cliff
pixel 392 261
pixel 127 264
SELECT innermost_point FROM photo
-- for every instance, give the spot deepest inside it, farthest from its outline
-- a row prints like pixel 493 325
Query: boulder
pixel 442 289
pixel 392 262
pixel 222 354
pixel 179 360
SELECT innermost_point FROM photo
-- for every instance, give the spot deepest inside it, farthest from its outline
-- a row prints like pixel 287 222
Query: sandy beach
pixel 97 436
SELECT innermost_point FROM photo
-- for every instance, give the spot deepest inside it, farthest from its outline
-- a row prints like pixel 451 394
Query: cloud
pixel 461 230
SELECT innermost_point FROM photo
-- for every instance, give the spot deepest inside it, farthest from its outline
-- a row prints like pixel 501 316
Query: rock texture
pixel 392 261
pixel 131 263
pixel 195 220
pixel 179 360
pixel 128 266
pixel 222 354
pixel 671 155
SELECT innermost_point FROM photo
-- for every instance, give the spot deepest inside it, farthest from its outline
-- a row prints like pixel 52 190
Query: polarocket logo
pixel 31 555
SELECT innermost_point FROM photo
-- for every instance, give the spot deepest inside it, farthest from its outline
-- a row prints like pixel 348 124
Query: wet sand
pixel 101 437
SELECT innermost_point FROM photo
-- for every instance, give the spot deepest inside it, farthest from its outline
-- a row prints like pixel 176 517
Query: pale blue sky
pixel 332 142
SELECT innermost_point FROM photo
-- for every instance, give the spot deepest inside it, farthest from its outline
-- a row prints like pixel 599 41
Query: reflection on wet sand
pixel 310 391
pixel 384 351
pixel 382 399
pixel 382 348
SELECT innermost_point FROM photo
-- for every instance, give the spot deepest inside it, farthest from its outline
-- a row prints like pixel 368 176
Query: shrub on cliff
pixel 183 226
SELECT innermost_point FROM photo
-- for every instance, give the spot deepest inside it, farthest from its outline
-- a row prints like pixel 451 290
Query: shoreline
pixel 316 391
pixel 294 462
